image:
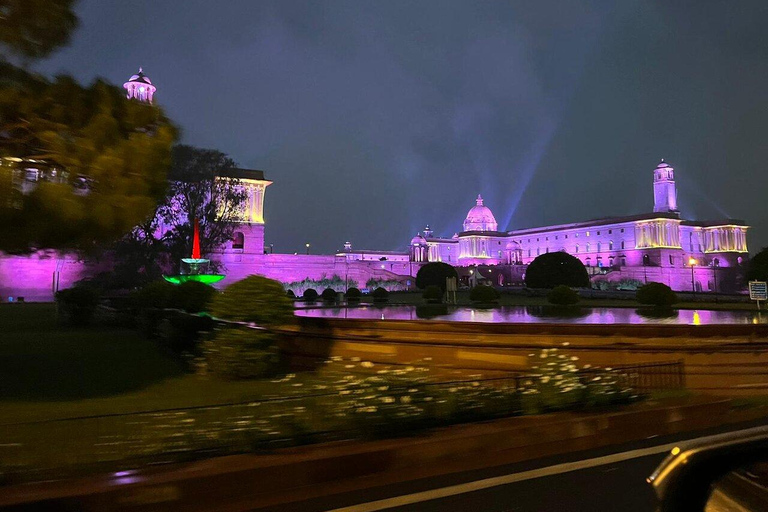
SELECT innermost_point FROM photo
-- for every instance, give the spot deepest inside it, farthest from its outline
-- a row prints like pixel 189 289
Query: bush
pixel 433 294
pixel 484 294
pixel 555 269
pixel 354 295
pixel 431 310
pixel 562 296
pixel 78 304
pixel 656 294
pixel 156 294
pixel 180 332
pixel 242 353
pixel 254 299
pixel 329 295
pixel 435 274
pixel 309 295
pixel 380 295
pixel 192 296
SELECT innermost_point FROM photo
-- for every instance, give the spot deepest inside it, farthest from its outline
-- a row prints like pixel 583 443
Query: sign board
pixel 758 290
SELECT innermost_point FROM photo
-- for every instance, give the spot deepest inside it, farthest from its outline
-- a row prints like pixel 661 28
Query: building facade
pixel 657 246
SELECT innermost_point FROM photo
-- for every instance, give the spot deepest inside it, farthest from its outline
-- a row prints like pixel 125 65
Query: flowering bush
pixel 558 384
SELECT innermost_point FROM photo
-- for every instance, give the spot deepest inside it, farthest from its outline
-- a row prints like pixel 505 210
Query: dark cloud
pixel 374 118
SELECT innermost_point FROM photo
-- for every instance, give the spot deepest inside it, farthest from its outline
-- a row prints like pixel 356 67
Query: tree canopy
pixel 554 269
pixel 97 163
pixel 157 244
pixel 32 29
pixel 435 273
pixel 757 268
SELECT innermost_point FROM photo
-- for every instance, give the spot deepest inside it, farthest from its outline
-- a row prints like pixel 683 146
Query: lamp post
pixel 271 248
pixel 692 262
pixel 307 246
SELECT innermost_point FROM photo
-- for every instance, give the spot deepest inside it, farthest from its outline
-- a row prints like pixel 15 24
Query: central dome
pixel 480 218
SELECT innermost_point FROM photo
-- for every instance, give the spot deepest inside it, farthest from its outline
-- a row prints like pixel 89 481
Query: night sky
pixel 375 118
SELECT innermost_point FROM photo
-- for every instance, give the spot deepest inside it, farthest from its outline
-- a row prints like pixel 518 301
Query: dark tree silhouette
pixel 555 269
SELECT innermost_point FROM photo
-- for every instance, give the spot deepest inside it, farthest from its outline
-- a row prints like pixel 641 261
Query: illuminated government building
pixel 655 246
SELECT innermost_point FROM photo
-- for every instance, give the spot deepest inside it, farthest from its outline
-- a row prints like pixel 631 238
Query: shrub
pixel 380 295
pixel 78 304
pixel 432 310
pixel 484 294
pixel 192 296
pixel 329 295
pixel 242 353
pixel 254 299
pixel 435 274
pixel 554 269
pixel 156 294
pixel 433 294
pixel 179 332
pixel 354 295
pixel 656 294
pixel 309 295
pixel 562 296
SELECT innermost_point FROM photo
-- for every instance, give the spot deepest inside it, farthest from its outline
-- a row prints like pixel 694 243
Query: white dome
pixel 418 240
pixel 480 218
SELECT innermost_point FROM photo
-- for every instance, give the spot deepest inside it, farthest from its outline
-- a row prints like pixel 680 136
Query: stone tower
pixel 664 189
pixel 139 87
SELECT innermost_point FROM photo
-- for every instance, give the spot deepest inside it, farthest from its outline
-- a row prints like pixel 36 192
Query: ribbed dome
pixel 480 218
pixel 418 240
pixel 140 77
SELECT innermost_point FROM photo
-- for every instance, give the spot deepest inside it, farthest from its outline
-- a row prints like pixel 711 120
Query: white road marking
pixel 487 483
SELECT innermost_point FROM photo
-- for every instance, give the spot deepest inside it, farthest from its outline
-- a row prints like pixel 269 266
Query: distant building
pixel 656 246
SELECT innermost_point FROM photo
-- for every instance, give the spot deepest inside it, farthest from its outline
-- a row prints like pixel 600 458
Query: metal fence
pixel 131 439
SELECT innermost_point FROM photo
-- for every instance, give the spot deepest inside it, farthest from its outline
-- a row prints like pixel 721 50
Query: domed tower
pixel 664 189
pixel 139 87
pixel 480 218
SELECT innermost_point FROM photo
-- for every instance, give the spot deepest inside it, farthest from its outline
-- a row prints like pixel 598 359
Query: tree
pixel 435 273
pixel 656 294
pixel 554 269
pixel 563 296
pixel 31 29
pixel 156 245
pixel 757 268
pixel 101 163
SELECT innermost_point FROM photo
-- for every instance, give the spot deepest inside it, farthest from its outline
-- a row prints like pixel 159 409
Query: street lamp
pixel 271 248
pixel 692 262
pixel 307 246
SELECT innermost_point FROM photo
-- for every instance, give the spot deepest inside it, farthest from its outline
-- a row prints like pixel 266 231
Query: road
pixel 609 479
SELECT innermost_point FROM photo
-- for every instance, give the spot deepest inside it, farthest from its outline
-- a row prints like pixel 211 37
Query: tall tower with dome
pixel 139 87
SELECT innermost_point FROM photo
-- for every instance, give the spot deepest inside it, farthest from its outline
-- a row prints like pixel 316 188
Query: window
pixel 610 231
pixel 538 251
pixel 598 233
pixel 587 233
pixel 610 245
pixel 577 249
pixel 555 237
pixel 566 236
pixel 622 230
pixel 622 244
pixel 547 239
pixel 671 260
pixel 599 246
pixel 587 246
pixel 576 235
pixel 529 253
pixel 238 240
pixel 623 261
pixel 547 249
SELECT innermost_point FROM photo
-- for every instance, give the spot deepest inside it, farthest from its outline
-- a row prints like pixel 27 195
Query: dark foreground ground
pixel 607 479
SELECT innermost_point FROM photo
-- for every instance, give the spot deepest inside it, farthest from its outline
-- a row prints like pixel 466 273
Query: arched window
pixel 238 240
pixel 587 246
pixel 610 245
pixel 716 262
pixel 646 260
pixel 599 246
pixel 577 249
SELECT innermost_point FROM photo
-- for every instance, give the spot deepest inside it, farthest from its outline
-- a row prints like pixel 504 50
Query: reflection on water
pixel 542 314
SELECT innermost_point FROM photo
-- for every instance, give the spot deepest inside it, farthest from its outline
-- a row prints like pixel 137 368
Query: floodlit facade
pixel 657 246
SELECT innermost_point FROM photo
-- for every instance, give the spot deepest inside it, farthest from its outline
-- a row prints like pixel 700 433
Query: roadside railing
pixel 172 435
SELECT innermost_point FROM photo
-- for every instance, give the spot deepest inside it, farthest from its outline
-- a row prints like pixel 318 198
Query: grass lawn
pixel 49 371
